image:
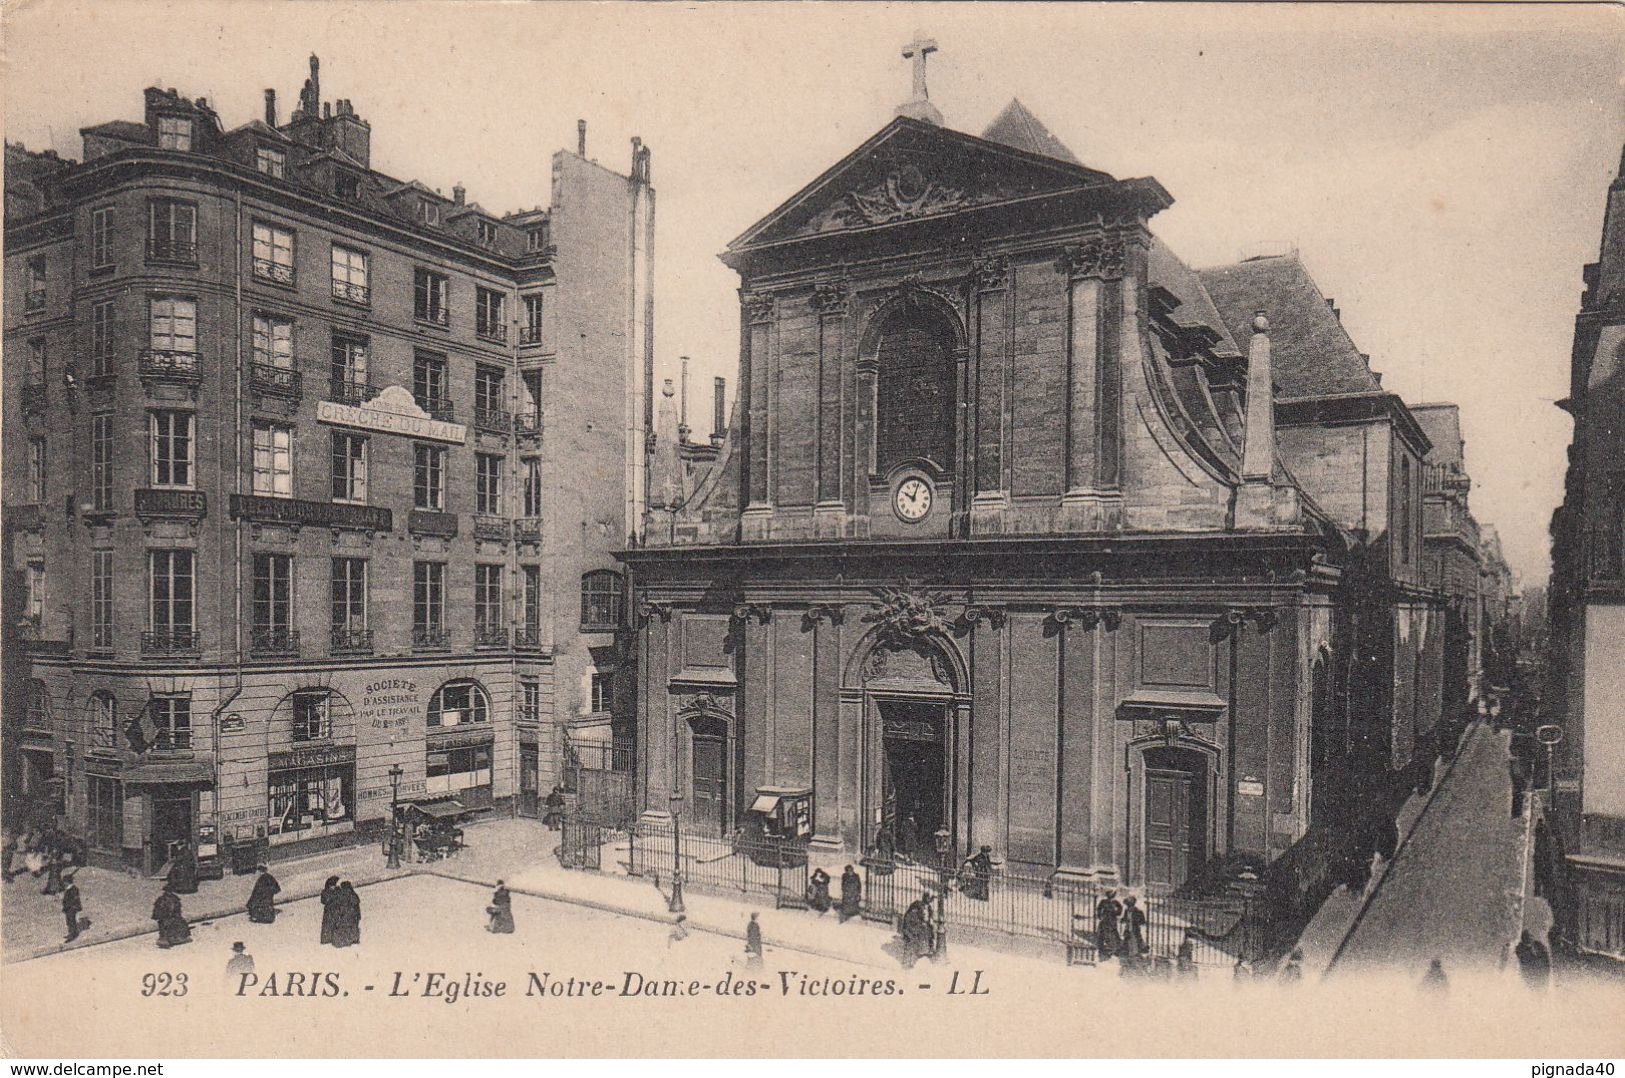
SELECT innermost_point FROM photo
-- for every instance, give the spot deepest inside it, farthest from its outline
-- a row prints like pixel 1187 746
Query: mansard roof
pixel 1441 422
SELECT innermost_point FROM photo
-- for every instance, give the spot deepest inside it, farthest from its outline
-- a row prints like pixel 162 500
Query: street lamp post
pixel 395 774
pixel 675 904
pixel 944 871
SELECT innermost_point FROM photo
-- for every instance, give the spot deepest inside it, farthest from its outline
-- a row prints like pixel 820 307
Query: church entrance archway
pixel 916 784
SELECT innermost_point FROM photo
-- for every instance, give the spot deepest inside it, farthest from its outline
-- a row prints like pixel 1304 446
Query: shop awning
pixel 156 771
pixel 444 809
pixel 765 803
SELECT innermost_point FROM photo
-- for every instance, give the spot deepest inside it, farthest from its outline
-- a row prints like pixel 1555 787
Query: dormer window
pixel 346 186
pixel 174 133
pixel 428 212
pixel 536 238
pixel 488 233
pixel 272 162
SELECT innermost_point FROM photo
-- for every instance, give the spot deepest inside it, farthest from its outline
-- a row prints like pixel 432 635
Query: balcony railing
pixel 162 502
pixel 34 398
pixel 171 642
pixel 350 391
pixel 528 637
pixel 528 529
pixel 267 270
pixel 278 381
pixel 262 641
pixel 490 330
pixel 497 529
pixel 435 316
pixel 352 293
pixel 171 740
pixel 425 636
pixel 34 300
pixel 530 334
pixel 168 363
pixel 438 408
pixel 170 250
pixel 432 522
pixel 528 424
pixel 490 636
pixel 318 514
pixel 350 641
pixel 495 420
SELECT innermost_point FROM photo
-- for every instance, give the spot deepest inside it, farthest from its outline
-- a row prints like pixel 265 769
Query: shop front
pixel 310 793
pixel 172 797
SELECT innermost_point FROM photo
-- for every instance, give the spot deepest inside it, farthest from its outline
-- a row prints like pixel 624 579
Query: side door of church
pixel 710 783
pixel 1168 851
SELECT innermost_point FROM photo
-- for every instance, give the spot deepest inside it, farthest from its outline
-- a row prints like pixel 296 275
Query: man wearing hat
pixel 71 906
pixel 979 878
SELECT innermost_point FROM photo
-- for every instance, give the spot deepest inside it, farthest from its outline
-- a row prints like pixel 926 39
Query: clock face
pixel 913 499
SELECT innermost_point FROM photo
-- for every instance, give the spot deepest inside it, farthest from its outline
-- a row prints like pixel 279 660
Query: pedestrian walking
pixel 71 906
pixel 554 816
pixel 1134 928
pixel 239 965
pixel 1108 911
pixel 851 893
pixel 347 930
pixel 500 911
pixel 183 869
pixel 1534 961
pixel 172 927
pixel 916 931
pixel 1185 958
pixel 979 878
pixel 909 836
pixel 54 862
pixel 753 942
pixel 330 910
pixel 818 891
pixel 1434 981
pixel 1292 972
pixel 262 899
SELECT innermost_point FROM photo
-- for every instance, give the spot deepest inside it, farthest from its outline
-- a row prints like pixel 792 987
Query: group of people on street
pixel 341 913
pixel 1119 929
pixel 851 901
pixel 45 851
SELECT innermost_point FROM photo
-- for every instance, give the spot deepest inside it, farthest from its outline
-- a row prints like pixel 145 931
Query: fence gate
pixel 881 889
pixel 601 775
pixel 581 844
pixel 792 885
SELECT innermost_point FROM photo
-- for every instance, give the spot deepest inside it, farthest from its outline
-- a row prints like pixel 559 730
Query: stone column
pixel 758 314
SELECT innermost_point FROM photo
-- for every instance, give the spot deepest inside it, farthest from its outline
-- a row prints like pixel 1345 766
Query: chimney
pixel 581 138
pixel 1254 498
pixel 1331 305
pixel 458 193
pixel 270 108
pixel 719 418
pixel 682 405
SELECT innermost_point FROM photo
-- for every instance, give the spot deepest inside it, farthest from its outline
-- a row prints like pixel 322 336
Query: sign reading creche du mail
pixel 392 411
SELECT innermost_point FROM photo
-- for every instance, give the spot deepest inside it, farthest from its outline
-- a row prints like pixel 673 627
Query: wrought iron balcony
pixel 350 391
pixel 171 642
pixel 438 408
pixel 34 300
pixel 528 637
pixel 435 316
pixel 528 424
pixel 318 514
pixel 495 420
pixel 262 641
pixel 171 250
pixel 491 330
pixel 528 529
pixel 430 636
pixel 497 529
pixel 530 335
pixel 278 381
pixel 33 399
pixel 351 641
pixel 267 270
pixel 172 740
pixel 432 522
pixel 169 363
pixel 157 502
pixel 490 636
pixel 352 293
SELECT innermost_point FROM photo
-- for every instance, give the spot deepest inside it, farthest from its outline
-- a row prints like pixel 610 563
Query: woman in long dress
pixel 330 911
pixel 172 927
pixel 1134 928
pixel 262 899
pixel 818 891
pixel 348 930
pixel 1107 912
pixel 183 871
pixel 851 893
pixel 500 910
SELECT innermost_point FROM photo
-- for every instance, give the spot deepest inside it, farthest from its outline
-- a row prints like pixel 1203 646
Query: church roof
pixel 1313 354
pixel 1018 128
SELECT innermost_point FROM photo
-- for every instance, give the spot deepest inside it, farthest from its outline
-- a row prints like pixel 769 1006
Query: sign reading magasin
pixel 393 411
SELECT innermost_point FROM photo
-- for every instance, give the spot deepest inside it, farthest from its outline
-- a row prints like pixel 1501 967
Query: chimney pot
pixel 581 138
pixel 327 110
pixel 719 418
pixel 270 108
pixel 458 193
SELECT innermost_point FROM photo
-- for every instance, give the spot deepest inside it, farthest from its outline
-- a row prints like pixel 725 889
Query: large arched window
pixel 103 720
pixel 915 392
pixel 601 600
pixel 459 703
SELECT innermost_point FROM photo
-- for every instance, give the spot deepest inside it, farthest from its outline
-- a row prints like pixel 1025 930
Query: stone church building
pixel 1005 545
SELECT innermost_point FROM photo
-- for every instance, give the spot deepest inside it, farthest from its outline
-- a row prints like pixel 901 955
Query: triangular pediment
pixel 911 170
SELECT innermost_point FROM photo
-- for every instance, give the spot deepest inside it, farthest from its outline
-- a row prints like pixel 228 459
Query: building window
pixel 429 384
pixel 35 593
pixel 428 211
pixel 532 331
pixel 272 162
pixel 530 701
pixel 312 715
pixel 428 476
pixel 349 370
pixel 101 237
pixel 171 593
pixel 273 254
pixel 350 277
pixel 603 692
pixel 34 296
pixel 530 594
pixel 459 703
pixel 101 599
pixel 273 601
pixel 37 706
pixel 171 441
pixel 488 314
pixel 349 468
pixel 349 595
pixel 171 230
pixel 601 600
pixel 172 322
pixel 103 720
pixel 489 393
pixel 487 484
pixel 487 599
pixel 174 133
pixel 1404 522
pixel 273 342
pixel 429 292
pixel 487 233
pixel 171 721
pixel 36 362
pixel 36 471
pixel 346 185
pixel 536 238
pixel 273 460
pixel 533 488
pixel 428 603
pixel 104 805
pixel 101 462
pixel 101 339
pixel 306 798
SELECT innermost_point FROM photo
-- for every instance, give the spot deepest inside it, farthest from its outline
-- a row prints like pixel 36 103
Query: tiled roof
pixel 1019 128
pixel 122 129
pixel 1312 353
pixel 1442 424
pixel 1165 269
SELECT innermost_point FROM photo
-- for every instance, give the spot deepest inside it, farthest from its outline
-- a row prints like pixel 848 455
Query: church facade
pixel 1000 549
